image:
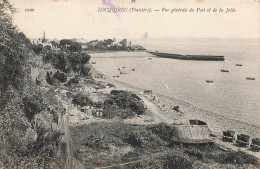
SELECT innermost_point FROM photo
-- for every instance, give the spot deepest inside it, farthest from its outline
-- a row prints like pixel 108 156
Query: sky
pixel 81 19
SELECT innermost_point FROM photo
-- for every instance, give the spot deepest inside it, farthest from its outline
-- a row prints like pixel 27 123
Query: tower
pixel 43 38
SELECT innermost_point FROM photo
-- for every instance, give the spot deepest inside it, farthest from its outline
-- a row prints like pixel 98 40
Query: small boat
pixel 150 58
pixel 209 81
pixel 243 140
pixel 123 71
pixel 250 78
pixel 224 70
pixel 229 135
pixel 239 65
pixel 255 143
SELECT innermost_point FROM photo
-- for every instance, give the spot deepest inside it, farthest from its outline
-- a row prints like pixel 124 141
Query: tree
pixel 46 49
pixel 55 44
pixel 75 47
pixel 108 41
pixel 65 42
pixel 37 48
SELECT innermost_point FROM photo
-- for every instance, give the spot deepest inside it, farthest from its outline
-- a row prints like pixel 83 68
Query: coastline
pixel 217 123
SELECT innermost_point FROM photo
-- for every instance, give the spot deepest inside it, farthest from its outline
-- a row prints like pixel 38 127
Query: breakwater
pixel 188 57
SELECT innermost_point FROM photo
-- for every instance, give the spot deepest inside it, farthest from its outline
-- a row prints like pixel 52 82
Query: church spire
pixel 44 38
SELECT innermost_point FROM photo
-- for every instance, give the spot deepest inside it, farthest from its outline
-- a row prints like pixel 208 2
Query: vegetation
pixel 27 113
pixel 118 143
pixel 123 104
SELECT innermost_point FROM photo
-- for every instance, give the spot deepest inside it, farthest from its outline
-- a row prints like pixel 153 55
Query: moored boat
pixel 239 65
pixel 250 78
pixel 209 81
pixel 223 70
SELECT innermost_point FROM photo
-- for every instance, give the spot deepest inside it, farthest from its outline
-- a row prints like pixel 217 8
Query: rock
pixel 55 77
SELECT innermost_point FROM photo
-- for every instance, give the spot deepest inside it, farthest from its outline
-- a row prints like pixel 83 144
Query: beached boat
pixel 209 81
pixel 250 78
pixel 223 69
pixel 255 144
pixel 229 135
pixel 239 65
pixel 243 140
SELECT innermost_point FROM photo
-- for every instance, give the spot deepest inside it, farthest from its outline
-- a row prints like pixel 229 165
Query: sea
pixel 230 95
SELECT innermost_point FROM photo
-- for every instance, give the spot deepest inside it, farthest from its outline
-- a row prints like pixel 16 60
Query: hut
pixel 195 132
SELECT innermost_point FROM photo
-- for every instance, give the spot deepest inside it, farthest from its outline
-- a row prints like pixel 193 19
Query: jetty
pixel 188 57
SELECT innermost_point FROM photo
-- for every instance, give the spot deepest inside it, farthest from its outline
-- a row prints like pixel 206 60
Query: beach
pixel 216 123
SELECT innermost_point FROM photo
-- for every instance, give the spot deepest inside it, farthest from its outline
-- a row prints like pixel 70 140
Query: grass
pixel 104 144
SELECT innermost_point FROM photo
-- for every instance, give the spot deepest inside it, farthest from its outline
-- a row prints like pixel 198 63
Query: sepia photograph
pixel 129 84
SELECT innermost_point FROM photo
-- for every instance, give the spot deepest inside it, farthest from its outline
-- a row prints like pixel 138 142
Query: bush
pixel 32 105
pixel 192 151
pixel 238 158
pixel 37 48
pixel 163 130
pixel 176 162
pixel 72 82
pixel 125 104
pixel 82 100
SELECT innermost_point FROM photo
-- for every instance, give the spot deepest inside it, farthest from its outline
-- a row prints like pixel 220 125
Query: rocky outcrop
pixel 55 77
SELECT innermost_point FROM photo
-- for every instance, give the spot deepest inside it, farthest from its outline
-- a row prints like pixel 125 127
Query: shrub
pixel 32 105
pixel 238 158
pixel 192 151
pixel 72 82
pixel 125 103
pixel 81 99
pixel 163 130
pixel 176 162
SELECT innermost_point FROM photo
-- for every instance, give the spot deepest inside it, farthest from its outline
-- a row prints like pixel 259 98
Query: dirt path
pixel 158 116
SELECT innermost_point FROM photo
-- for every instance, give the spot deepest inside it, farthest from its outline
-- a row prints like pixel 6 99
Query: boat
pixel 255 144
pixel 224 70
pixel 209 81
pixel 123 71
pixel 239 65
pixel 250 78
pixel 243 140
pixel 150 58
pixel 229 135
